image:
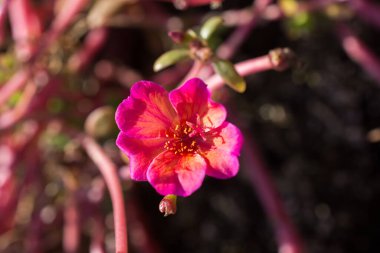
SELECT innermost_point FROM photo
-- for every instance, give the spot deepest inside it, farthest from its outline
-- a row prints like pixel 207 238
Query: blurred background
pixel 66 65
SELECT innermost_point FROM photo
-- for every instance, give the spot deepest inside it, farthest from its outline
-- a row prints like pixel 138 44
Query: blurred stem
pixel 286 234
pixel 233 43
pixel 359 52
pixel 367 10
pixel 109 172
pixel 71 229
pixel 193 72
pixel 60 23
pixel 3 10
pixel 92 44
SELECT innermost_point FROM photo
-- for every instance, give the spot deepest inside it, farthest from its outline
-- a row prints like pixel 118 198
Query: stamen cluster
pixel 182 139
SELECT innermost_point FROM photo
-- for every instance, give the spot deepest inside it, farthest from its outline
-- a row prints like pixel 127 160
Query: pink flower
pixel 174 139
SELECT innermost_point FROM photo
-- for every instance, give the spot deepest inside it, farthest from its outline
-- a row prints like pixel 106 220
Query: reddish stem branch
pixel 359 52
pixel 109 172
pixel 71 229
pixel 65 17
pixel 92 44
pixel 286 234
pixel 368 11
pixel 227 49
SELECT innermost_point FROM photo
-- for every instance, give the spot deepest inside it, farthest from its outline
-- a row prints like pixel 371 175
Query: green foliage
pixel 169 58
pixel 229 74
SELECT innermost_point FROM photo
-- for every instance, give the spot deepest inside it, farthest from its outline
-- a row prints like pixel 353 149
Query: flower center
pixel 183 139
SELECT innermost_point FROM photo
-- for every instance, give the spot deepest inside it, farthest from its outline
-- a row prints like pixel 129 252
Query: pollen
pixel 182 139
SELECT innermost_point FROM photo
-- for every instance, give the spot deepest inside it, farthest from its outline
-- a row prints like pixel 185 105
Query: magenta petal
pixel 141 152
pixel 227 137
pixel 226 142
pixel 190 99
pixel 215 115
pixel 175 174
pixel 146 113
pixel 193 99
pixel 222 165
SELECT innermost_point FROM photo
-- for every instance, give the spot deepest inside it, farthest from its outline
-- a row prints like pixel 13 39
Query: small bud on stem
pixel 281 58
pixel 168 205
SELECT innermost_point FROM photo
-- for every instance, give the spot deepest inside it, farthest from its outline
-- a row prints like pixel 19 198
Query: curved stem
pixel 286 234
pixel 228 49
pixel 359 52
pixel 109 172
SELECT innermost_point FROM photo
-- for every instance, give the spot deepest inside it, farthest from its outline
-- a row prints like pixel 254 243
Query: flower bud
pixel 100 122
pixel 177 37
pixel 168 205
pixel 281 58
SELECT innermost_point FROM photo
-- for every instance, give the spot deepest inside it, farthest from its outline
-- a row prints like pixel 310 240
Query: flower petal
pixel 225 142
pixel 215 115
pixel 175 174
pixel 193 99
pixel 141 152
pixel 146 113
pixel 221 164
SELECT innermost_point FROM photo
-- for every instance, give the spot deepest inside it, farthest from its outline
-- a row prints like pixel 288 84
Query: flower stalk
pixel 277 59
pixel 359 52
pixel 109 171
pixel 287 237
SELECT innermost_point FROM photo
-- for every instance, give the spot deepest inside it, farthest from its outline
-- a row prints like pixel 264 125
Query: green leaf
pixel 169 58
pixel 210 26
pixel 229 74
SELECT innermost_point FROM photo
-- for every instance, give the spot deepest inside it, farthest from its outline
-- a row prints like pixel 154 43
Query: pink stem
pixel 97 235
pixel 93 43
pixel 194 71
pixel 71 229
pixel 368 11
pixel 26 27
pixel 359 52
pixel 65 17
pixel 227 49
pixel 244 68
pixel 109 172
pixel 286 234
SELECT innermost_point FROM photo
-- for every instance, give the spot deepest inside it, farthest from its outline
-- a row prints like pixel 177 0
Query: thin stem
pixel 193 72
pixel 359 52
pixel 227 49
pixel 286 234
pixel 92 44
pixel 368 11
pixel 109 172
